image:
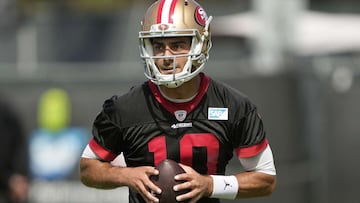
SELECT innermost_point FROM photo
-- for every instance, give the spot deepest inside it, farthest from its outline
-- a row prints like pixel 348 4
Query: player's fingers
pixel 182 186
pixel 186 168
pixel 193 196
pixel 195 193
pixel 148 183
pixel 185 176
pixel 152 187
pixel 189 174
pixel 148 196
pixel 144 185
pixel 148 200
pixel 151 171
pixel 182 177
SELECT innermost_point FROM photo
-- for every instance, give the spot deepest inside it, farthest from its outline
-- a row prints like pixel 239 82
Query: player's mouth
pixel 167 70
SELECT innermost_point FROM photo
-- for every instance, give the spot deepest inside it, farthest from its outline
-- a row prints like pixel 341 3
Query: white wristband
pixel 224 187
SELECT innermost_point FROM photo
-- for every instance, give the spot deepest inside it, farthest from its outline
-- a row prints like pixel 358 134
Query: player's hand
pixel 138 179
pixel 199 185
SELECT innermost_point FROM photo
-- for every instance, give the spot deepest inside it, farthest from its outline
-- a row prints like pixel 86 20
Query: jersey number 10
pixel 187 145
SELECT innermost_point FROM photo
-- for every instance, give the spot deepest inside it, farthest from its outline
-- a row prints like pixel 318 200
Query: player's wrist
pixel 209 183
pixel 224 187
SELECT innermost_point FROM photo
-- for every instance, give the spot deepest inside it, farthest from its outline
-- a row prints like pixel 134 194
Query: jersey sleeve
pixel 250 134
pixel 106 132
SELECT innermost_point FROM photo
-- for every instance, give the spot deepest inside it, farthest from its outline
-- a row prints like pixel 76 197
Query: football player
pixel 182 114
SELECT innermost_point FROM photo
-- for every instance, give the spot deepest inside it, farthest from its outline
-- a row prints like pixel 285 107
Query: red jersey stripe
pixel 245 152
pixel 101 151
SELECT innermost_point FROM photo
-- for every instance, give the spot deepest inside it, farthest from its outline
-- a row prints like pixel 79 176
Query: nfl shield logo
pixel 180 115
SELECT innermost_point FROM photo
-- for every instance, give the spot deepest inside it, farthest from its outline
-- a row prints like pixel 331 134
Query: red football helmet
pixel 175 18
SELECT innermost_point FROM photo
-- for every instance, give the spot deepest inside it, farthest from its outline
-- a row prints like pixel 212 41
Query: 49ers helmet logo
pixel 200 16
pixel 163 27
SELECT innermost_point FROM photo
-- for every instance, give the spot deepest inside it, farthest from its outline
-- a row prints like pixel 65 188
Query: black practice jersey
pixel 202 133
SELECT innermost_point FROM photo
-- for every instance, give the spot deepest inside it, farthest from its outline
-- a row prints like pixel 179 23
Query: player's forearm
pixel 255 184
pixel 97 174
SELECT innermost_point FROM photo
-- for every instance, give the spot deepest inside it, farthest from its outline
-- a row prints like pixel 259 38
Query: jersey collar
pixel 187 106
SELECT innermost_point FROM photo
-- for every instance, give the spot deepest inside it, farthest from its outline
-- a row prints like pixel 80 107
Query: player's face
pixel 171 46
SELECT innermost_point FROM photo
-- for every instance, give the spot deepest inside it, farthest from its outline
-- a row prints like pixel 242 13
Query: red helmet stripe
pixel 166 11
pixel 160 9
pixel 172 9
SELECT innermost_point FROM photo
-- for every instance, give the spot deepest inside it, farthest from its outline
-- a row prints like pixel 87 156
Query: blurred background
pixel 298 60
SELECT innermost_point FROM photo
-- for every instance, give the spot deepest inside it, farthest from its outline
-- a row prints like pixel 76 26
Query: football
pixel 165 181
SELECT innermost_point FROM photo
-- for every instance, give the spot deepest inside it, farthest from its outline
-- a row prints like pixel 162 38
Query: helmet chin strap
pixel 174 84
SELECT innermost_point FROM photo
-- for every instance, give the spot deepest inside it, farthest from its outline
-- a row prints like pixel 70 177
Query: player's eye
pixel 158 48
pixel 177 47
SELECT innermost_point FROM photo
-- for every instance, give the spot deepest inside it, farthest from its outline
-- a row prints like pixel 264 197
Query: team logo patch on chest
pixel 215 113
pixel 180 115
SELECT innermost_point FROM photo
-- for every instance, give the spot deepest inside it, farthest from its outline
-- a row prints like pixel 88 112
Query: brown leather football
pixel 165 181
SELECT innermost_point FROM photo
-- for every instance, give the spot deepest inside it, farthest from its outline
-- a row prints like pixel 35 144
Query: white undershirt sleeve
pixel 263 162
pixel 88 153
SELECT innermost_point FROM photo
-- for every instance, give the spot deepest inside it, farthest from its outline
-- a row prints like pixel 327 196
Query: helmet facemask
pixel 196 57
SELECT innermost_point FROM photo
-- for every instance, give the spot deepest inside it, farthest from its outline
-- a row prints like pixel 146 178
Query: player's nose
pixel 168 52
pixel 168 61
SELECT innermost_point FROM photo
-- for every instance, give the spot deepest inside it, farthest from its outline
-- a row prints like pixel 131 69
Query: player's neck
pixel 185 91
